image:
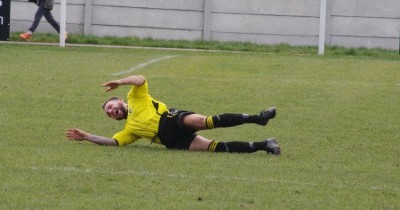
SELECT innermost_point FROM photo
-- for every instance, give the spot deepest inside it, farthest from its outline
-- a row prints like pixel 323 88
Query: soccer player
pixel 175 129
pixel 44 9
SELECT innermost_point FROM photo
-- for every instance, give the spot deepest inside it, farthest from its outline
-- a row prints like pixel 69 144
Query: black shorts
pixel 171 131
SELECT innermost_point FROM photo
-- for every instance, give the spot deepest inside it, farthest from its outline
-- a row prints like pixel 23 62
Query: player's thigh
pixel 199 143
pixel 195 121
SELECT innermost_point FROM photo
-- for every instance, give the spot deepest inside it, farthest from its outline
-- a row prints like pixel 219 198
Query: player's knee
pixel 200 122
pixel 197 122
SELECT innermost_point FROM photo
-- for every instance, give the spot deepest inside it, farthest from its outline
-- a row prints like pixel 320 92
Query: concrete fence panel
pixel 186 5
pixel 268 7
pixel 365 23
pixel 349 23
pixel 366 8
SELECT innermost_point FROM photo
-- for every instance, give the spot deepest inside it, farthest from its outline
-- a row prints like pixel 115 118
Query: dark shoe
pixel 266 115
pixel 272 147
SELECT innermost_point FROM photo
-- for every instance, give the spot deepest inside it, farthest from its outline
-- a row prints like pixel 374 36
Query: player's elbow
pixel 116 143
pixel 139 80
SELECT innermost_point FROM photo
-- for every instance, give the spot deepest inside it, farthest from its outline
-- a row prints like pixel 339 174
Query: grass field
pixel 337 124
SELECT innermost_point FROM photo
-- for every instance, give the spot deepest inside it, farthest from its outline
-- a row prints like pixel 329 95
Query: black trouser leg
pixel 38 16
pixel 49 17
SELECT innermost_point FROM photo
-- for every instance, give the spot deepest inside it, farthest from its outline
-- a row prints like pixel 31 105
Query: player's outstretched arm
pixel 136 80
pixel 80 135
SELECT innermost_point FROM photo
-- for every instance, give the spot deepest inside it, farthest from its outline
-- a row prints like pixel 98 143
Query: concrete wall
pixel 350 23
pixel 295 22
pixel 162 19
pixel 366 23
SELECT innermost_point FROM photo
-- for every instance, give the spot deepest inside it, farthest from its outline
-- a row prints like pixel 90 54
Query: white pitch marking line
pixel 144 65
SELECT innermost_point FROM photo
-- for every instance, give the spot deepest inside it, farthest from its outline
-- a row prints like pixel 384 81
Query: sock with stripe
pixel 230 120
pixel 236 146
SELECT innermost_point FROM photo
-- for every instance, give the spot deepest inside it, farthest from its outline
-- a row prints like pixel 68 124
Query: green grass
pixel 337 123
pixel 211 45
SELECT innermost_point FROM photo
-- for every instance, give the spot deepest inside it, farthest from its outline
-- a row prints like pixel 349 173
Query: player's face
pixel 115 109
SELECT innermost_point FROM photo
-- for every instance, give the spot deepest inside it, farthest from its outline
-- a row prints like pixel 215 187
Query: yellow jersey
pixel 144 114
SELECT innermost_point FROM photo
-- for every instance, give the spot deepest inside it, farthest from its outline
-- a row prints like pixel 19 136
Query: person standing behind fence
pixel 44 9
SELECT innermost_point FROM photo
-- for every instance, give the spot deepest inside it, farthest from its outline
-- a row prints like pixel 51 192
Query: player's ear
pixel 120 101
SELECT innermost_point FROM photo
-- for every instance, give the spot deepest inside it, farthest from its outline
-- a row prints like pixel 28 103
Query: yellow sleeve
pixel 139 91
pixel 123 138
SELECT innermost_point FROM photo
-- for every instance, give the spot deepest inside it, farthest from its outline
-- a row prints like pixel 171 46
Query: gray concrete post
pixel 87 25
pixel 207 20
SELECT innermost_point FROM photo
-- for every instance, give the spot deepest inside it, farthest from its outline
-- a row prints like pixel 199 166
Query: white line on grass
pixel 144 65
pixel 142 173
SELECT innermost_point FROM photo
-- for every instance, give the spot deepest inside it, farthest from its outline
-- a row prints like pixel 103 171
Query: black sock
pixel 236 146
pixel 229 120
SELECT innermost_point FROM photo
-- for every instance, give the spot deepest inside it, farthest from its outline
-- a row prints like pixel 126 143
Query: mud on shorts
pixel 171 131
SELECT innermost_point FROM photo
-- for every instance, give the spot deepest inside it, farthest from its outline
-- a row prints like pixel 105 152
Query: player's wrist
pixel 120 82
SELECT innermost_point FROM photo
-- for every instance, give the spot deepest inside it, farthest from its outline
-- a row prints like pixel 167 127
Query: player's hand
pixel 111 85
pixel 76 134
